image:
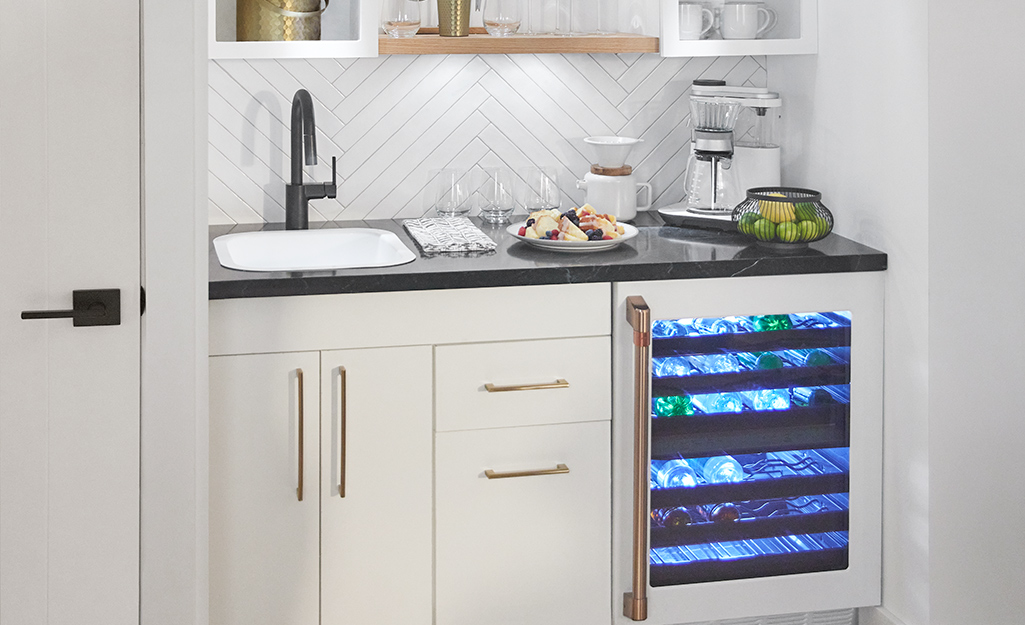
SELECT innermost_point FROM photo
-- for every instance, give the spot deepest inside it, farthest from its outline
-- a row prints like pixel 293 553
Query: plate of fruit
pixel 576 230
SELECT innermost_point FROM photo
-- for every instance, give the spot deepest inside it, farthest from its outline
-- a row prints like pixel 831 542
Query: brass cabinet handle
pixel 342 393
pixel 495 475
pixel 635 603
pixel 491 388
pixel 299 378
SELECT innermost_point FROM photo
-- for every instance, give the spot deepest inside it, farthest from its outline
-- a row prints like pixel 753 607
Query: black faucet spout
pixel 304 148
pixel 304 134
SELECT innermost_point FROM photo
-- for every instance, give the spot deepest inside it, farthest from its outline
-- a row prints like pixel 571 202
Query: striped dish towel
pixel 436 235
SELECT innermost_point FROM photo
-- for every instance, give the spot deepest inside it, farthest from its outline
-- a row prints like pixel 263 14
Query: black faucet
pixel 304 139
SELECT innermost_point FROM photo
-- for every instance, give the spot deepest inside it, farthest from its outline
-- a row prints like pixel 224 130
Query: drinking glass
pixel 539 188
pixel 495 195
pixel 448 192
pixel 400 18
pixel 501 17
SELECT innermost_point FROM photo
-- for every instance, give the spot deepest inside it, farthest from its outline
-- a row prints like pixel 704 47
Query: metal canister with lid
pixel 278 20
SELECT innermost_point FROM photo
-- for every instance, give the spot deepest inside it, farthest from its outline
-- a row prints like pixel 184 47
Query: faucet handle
pixel 332 189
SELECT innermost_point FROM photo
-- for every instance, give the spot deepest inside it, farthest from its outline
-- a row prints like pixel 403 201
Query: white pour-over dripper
pixel 612 151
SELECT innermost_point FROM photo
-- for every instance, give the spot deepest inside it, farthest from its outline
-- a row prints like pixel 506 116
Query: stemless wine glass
pixel 501 17
pixel 400 18
pixel 539 188
pixel 496 195
pixel 448 192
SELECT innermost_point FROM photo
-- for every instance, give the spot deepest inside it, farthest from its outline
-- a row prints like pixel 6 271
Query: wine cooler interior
pixel 750 437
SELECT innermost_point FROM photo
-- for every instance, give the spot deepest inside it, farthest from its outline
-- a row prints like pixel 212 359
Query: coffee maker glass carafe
pixel 711 181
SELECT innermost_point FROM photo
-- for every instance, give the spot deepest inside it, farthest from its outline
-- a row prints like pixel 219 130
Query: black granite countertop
pixel 659 252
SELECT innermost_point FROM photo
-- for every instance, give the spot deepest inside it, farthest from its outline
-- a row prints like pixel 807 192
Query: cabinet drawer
pixel 464 371
pixel 533 549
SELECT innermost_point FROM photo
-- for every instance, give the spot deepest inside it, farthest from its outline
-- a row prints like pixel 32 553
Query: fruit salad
pixel 576 224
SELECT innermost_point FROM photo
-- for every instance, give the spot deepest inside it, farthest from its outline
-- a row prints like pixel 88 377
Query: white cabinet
pixel 374 367
pixel 264 540
pixel 523 482
pixel 795 32
pixel 376 445
pixel 348 30
pixel 286 547
pixel 530 544
pixel 479 384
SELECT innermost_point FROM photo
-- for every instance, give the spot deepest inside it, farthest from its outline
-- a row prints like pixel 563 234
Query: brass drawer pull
pixel 495 475
pixel 301 413
pixel 342 396
pixel 491 388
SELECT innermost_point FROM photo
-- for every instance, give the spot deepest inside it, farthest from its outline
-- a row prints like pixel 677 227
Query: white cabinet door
pixel 533 549
pixel 376 539
pixel 264 540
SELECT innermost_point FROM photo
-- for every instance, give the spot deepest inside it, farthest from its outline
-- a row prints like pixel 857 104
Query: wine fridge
pixel 747 446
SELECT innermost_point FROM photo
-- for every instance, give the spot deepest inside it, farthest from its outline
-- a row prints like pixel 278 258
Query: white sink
pixel 311 250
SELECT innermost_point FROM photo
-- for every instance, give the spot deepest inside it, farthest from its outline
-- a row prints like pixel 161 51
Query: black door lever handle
pixel 96 307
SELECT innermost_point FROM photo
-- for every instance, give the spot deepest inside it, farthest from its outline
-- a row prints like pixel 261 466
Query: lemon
pixel 776 212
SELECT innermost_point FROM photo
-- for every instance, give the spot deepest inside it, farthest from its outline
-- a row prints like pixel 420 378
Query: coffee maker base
pixel 683 216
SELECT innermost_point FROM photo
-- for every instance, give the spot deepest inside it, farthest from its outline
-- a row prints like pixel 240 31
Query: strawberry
pixel 523 231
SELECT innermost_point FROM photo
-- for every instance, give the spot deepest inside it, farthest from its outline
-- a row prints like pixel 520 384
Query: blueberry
pixel 530 222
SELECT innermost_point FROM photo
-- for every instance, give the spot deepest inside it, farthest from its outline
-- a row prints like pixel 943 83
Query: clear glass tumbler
pixel 501 17
pixel 539 188
pixel 448 192
pixel 400 18
pixel 495 195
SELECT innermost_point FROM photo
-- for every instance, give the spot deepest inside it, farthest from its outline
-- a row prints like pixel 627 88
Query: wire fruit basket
pixel 783 217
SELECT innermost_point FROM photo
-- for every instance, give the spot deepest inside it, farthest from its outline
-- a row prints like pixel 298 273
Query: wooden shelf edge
pixel 519 44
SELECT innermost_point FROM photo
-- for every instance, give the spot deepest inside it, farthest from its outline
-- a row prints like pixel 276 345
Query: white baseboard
pixel 877 616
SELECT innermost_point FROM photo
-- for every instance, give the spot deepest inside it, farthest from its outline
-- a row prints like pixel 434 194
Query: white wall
pixel 393 119
pixel 977 312
pixel 173 532
pixel 857 131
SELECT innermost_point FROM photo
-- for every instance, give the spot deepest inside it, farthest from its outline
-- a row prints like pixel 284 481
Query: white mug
pixel 745 20
pixel 695 21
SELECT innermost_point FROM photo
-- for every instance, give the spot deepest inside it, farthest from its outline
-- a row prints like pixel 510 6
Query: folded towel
pixel 436 235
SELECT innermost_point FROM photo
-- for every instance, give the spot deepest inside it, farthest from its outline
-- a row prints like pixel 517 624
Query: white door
pixel 69 396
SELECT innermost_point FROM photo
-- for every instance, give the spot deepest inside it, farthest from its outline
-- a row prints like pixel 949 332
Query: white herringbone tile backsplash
pixel 391 119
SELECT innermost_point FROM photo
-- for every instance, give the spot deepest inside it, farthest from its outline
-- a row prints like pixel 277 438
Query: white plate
pixel 629 232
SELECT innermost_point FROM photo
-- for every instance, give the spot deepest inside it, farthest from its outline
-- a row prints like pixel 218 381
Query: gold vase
pixel 278 20
pixel 454 18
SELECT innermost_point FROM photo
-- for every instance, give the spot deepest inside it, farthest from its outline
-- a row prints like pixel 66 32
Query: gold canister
pixel 454 18
pixel 279 20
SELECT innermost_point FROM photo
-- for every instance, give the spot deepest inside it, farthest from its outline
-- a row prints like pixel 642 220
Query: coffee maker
pixel 733 148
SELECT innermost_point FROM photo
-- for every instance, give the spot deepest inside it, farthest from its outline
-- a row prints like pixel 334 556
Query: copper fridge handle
pixel 635 603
